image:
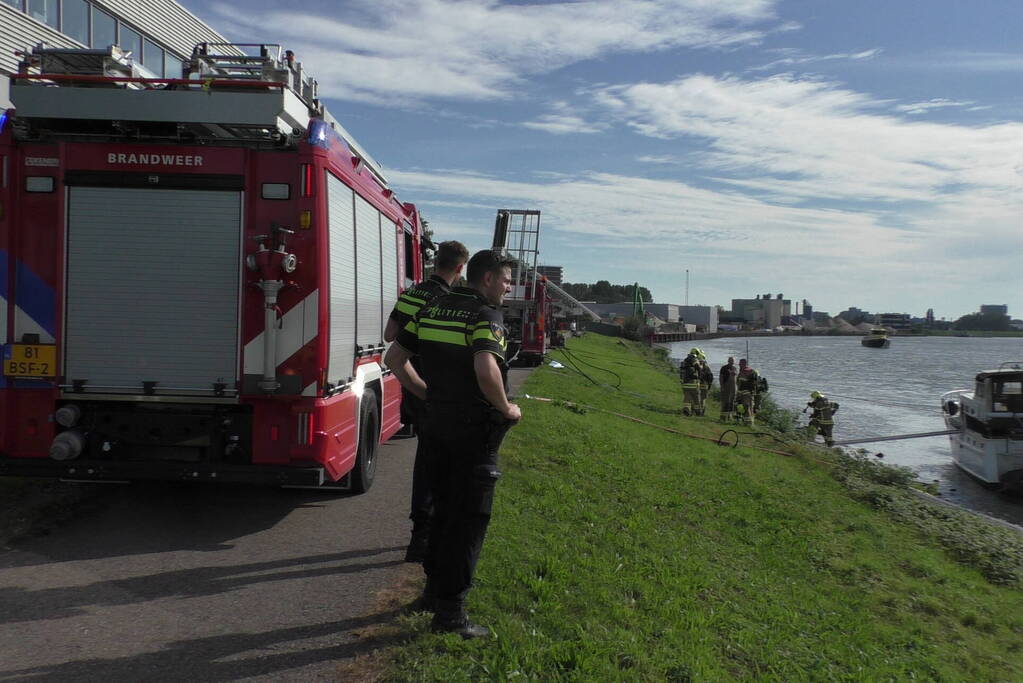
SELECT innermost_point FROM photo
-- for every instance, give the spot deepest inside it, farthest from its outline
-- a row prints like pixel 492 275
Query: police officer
pixel 448 264
pixel 746 383
pixel 822 418
pixel 689 376
pixel 460 339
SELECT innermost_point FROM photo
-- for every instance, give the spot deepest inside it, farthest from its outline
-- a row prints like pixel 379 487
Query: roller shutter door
pixel 389 255
pixel 152 289
pixel 341 216
pixel 367 241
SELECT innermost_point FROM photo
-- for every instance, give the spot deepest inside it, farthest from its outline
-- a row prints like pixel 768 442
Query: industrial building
pixel 895 321
pixel 160 34
pixel 705 318
pixel 765 311
pixel 553 273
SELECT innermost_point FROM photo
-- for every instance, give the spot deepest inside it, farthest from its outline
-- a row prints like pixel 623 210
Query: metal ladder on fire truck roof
pixel 227 92
pixel 517 236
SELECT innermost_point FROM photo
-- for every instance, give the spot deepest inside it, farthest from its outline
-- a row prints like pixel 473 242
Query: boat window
pixel 1007 397
pixel 1011 388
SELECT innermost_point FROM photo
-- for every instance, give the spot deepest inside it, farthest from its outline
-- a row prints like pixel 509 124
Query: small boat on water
pixel 877 338
pixel 988 441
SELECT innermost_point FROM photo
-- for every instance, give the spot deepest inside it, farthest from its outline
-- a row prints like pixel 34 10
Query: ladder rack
pixel 222 94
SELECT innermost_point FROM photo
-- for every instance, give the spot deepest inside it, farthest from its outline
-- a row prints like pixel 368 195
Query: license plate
pixel 31 360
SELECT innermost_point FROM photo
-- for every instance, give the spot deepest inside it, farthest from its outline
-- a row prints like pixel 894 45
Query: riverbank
pixel 622 551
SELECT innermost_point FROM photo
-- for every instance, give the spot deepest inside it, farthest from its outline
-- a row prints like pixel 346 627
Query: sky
pixel 864 153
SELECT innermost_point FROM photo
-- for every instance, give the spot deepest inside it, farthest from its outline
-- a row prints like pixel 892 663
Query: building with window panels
pixel 160 34
pixel 552 273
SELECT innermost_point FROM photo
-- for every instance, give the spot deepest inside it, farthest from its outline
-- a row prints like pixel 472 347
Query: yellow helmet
pixel 695 351
pixel 815 394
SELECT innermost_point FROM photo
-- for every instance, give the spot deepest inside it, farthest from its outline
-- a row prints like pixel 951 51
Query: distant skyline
pixel 853 154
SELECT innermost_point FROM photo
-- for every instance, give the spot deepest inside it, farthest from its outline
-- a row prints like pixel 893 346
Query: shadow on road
pixel 216 658
pixel 148 517
pixel 20 604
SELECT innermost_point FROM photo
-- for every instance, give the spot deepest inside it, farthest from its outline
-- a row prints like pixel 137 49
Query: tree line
pixel 603 292
pixel 998 322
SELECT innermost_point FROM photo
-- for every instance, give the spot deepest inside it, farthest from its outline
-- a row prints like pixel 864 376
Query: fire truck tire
pixel 369 440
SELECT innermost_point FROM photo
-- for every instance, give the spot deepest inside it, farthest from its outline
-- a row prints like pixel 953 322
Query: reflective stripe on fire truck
pixel 298 328
pixel 34 304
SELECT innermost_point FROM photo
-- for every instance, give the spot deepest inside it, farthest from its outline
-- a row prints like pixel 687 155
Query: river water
pixel 881 392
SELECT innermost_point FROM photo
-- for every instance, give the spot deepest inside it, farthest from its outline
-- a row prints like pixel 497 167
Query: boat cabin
pixel 995 408
pixel 1000 390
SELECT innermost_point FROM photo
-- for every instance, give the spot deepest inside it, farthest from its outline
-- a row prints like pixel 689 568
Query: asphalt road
pixel 176 582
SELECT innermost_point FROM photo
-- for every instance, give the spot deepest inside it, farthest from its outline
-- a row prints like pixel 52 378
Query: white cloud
pixel 808 140
pixel 632 213
pixel 796 57
pixel 562 125
pixel 936 103
pixel 563 121
pixel 665 159
pixel 480 49
pixel 623 228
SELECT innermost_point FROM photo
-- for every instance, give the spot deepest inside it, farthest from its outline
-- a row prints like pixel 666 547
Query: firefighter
pixel 706 382
pixel 450 260
pixel 689 376
pixel 746 384
pixel 822 418
pixel 461 341
pixel 726 379
pixel 762 389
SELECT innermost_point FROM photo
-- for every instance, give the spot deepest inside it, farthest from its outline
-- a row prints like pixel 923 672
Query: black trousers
pixel 463 442
pixel 422 500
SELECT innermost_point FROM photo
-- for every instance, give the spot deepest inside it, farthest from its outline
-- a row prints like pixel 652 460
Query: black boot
pixel 449 619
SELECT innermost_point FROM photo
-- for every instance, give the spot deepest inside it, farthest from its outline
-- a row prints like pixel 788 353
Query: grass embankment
pixel 621 552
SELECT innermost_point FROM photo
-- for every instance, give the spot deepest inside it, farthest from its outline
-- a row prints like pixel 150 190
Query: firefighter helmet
pixel 816 394
pixel 694 352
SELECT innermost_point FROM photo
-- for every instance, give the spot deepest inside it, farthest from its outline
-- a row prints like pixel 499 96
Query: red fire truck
pixel 195 274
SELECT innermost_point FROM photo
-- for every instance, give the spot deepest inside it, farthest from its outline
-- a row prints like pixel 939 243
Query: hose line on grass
pixel 575 357
pixel 718 440
pixel 721 439
pixel 573 362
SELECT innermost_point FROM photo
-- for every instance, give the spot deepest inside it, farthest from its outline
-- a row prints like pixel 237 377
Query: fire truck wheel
pixel 369 438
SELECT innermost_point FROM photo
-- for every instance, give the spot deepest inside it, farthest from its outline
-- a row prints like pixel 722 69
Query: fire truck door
pixel 152 289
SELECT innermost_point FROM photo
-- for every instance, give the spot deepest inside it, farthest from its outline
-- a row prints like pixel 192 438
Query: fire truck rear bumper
pixel 115 470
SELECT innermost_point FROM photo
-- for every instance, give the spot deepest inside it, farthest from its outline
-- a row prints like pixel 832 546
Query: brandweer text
pixel 161 159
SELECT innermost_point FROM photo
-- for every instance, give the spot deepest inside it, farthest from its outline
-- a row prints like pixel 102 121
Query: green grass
pixel 621 552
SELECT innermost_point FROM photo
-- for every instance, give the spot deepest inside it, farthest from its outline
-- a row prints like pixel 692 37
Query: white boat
pixel 988 441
